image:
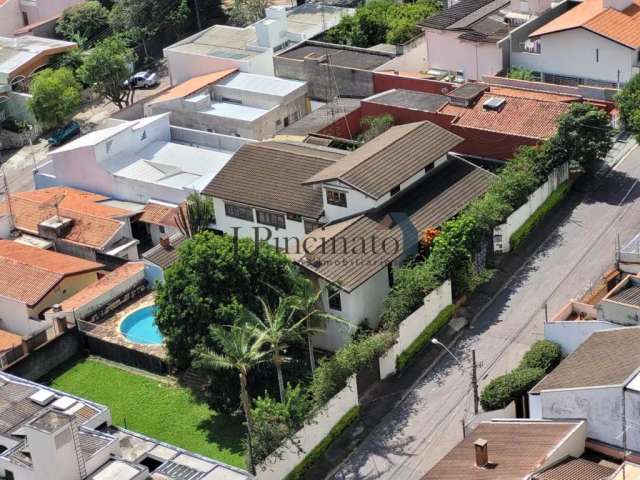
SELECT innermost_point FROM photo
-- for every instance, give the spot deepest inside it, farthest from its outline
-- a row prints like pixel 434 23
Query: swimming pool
pixel 140 327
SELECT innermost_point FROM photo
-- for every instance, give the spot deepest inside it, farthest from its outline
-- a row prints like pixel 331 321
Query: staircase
pixel 82 468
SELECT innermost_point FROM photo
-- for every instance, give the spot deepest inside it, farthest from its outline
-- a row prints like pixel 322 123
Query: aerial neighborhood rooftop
pixel 319 240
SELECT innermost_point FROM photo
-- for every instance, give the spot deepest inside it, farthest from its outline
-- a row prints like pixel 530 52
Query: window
pixel 25 18
pixel 293 217
pixel 336 197
pixel 161 228
pixel 237 211
pixel 286 121
pixel 394 190
pixel 335 302
pixel 428 168
pixel 597 55
pixel 270 218
pixel 310 226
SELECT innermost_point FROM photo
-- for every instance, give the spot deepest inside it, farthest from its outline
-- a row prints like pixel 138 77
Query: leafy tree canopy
pixel 83 22
pixel 55 96
pixel 628 101
pixel 107 67
pixel 245 12
pixel 382 21
pixel 213 279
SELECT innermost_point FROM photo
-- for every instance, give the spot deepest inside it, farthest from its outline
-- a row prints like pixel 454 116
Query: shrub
pixel 331 374
pixel 518 73
pixel 544 355
pixel 549 204
pixel 628 102
pixel 425 336
pixel 501 391
pixel 315 454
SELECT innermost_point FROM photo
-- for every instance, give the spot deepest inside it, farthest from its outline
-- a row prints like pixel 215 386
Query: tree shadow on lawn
pixel 226 431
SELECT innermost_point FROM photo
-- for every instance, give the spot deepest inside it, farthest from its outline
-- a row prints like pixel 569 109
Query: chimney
pixel 165 242
pixel 482 452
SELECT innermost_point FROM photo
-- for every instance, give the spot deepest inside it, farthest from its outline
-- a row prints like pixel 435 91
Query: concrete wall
pixel 502 233
pixel 10 17
pixel 413 58
pixel 46 358
pixel 14 316
pixel 280 464
pixel 414 324
pixel 600 407
pixel 68 287
pixel 572 333
pixel 612 62
pixel 43 9
pixel 447 52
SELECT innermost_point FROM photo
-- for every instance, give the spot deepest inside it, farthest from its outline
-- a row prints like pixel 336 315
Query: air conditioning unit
pixel 494 103
pixel 42 397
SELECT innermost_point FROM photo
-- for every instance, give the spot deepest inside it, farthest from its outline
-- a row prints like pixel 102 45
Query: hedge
pixel 314 455
pixel 425 336
pixel 525 229
pixel 501 391
pixel 540 359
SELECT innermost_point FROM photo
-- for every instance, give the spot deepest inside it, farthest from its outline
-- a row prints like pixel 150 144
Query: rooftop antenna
pixel 55 202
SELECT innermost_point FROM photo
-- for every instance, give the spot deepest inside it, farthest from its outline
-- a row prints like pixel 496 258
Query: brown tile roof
pixel 164 257
pixel 192 85
pixel 94 225
pixel 532 94
pixel 27 273
pixel 9 340
pixel 430 203
pixel 391 158
pixel 575 469
pixel 516 450
pixel 270 175
pixel 606 358
pixel 519 116
pixel 76 200
pixel 620 26
pixel 105 284
pixel 157 214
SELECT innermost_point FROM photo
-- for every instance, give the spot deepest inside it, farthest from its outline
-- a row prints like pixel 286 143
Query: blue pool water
pixel 140 327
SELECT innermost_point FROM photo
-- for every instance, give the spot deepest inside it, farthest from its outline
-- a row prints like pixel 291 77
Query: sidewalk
pixel 383 397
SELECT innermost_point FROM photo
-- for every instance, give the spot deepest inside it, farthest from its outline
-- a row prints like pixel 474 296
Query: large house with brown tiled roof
pixel 32 280
pixel 72 221
pixel 347 217
pixel 594 42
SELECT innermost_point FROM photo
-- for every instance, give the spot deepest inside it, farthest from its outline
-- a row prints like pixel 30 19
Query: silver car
pixel 142 80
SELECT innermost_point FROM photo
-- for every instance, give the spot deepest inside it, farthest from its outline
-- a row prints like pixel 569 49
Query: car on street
pixel 142 80
pixel 64 134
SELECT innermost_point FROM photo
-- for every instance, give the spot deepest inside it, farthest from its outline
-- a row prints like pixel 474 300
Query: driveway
pixel 427 424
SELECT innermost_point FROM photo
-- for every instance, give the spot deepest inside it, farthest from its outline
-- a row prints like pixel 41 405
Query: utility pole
pixel 474 382
pixel 197 15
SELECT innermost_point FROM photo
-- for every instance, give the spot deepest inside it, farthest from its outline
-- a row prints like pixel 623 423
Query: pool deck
pixel 108 329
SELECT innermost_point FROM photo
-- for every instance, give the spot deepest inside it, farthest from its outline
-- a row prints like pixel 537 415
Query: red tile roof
pixel 192 85
pixel 8 340
pixel 27 273
pixel 157 214
pixel 519 116
pixel 104 285
pixel 620 26
pixel 94 225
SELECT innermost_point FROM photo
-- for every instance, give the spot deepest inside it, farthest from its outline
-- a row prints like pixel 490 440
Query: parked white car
pixel 142 80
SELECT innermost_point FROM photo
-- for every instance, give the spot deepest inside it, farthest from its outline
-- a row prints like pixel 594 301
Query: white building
pixel 15 14
pixel 50 435
pixel 249 49
pixel 598 382
pixel 138 161
pixel 320 204
pixel 601 37
pixel 234 103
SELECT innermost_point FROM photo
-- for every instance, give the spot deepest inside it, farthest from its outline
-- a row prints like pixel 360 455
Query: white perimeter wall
pixel 10 17
pixel 414 58
pixel 573 53
pixel 277 467
pixel 446 51
pixel 411 327
pixel 502 245
pixel 571 334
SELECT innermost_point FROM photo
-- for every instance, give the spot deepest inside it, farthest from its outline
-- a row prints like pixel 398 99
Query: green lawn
pixel 154 408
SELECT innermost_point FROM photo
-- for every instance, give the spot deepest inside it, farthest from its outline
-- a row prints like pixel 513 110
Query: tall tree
pixel 195 215
pixel 279 329
pixel 85 21
pixel 107 67
pixel 241 350
pixel 55 96
pixel 584 137
pixel 214 278
pixel 628 102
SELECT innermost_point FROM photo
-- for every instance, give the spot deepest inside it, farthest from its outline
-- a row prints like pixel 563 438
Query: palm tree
pixel 241 351
pixel 195 214
pixel 278 328
pixel 306 300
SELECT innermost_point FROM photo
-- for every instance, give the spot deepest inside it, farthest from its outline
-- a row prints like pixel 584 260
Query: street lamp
pixel 474 376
